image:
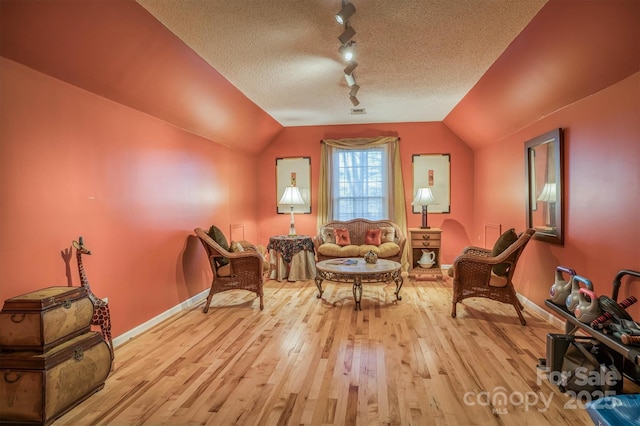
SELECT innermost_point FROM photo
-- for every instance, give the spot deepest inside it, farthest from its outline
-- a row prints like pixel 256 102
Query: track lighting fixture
pixel 347 51
pixel 347 34
pixel 349 68
pixel 346 12
pixel 351 79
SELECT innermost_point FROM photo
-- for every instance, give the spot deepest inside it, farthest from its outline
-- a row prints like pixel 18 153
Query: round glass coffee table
pixel 356 270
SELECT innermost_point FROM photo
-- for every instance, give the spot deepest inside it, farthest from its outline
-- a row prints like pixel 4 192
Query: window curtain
pixel 397 209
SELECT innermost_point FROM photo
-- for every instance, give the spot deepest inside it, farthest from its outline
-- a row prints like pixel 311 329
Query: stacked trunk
pixel 50 360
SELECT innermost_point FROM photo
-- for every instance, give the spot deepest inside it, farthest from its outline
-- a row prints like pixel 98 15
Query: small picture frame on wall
pixel 294 171
pixel 433 171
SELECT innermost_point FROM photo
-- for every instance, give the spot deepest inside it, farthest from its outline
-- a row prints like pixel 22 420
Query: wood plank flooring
pixel 311 361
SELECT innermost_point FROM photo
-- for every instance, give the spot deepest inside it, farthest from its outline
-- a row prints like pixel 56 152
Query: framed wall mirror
pixel 545 194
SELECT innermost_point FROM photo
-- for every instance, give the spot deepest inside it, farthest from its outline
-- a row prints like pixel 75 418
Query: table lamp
pixel 548 195
pixel 424 197
pixel 292 197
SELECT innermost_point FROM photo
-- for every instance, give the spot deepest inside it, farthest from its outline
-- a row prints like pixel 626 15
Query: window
pixel 360 182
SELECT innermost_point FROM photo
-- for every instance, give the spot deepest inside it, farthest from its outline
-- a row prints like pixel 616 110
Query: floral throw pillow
pixel 388 234
pixel 235 247
pixel 342 237
pixel 373 237
pixel 329 236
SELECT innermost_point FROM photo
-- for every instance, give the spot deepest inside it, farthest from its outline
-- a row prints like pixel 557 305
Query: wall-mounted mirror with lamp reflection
pixel 544 171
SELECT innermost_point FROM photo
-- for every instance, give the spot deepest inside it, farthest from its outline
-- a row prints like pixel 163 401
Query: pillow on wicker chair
pixel 235 247
pixel 216 235
pixel 504 241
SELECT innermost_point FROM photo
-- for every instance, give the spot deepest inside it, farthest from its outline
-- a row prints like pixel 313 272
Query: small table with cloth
pixel 292 258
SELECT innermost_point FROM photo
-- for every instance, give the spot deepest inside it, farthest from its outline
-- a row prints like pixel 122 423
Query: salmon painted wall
pixel 602 175
pixel 73 163
pixel 415 138
pixel 120 51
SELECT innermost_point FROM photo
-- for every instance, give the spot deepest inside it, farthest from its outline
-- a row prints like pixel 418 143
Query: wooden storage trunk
pixel 38 388
pixel 42 319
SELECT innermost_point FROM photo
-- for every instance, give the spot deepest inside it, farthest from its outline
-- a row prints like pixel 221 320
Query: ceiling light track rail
pixel 347 49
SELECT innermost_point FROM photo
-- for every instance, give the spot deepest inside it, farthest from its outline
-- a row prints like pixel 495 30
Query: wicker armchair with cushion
pixel 480 272
pixel 241 269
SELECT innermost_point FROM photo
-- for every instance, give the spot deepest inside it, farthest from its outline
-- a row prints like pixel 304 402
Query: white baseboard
pixel 200 296
pixel 538 310
pixel 541 312
pixel 158 319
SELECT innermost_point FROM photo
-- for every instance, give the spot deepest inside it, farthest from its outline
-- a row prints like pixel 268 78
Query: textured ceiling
pixel 417 58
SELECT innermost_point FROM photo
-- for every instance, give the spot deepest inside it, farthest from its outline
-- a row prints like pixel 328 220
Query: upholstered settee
pixel 354 238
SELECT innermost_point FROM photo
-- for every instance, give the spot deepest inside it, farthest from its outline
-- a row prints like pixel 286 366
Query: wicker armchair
pixel 473 277
pixel 243 272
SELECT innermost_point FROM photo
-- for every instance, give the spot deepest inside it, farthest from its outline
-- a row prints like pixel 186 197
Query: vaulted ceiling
pixel 236 72
pixel 416 58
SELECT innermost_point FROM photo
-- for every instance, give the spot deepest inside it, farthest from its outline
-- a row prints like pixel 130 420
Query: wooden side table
pixel 424 239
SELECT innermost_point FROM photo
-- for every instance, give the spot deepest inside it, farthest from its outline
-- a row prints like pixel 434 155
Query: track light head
pixel 347 35
pixel 351 79
pixel 354 90
pixel 354 100
pixel 347 51
pixel 347 11
pixel 350 67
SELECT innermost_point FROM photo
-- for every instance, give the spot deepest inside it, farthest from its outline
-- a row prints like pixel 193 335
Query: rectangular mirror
pixel 544 171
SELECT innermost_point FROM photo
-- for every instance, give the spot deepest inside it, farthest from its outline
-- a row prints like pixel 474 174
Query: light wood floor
pixel 314 361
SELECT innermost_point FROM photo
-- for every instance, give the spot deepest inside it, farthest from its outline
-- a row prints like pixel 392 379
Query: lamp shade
pixel 548 193
pixel 424 197
pixel 292 196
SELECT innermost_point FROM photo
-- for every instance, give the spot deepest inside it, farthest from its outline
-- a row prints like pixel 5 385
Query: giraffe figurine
pixel 101 316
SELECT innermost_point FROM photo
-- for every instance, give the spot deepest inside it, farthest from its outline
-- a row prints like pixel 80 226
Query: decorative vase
pixel 370 257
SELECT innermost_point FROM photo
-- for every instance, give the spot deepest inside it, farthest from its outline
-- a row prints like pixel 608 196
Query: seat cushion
pixel 334 250
pixel 497 280
pixel 383 251
pixel 224 271
pixel 502 243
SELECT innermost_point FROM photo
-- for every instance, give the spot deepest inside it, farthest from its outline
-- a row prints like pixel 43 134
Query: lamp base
pixel 292 227
pixel 424 218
